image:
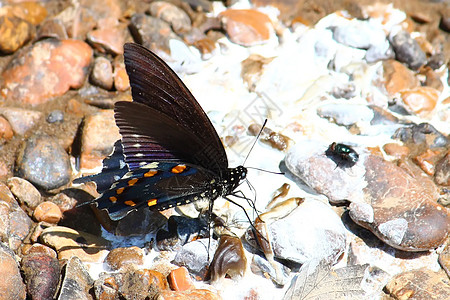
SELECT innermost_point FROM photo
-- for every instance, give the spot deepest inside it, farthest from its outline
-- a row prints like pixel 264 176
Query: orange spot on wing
pixel 120 190
pixel 132 182
pixel 152 202
pixel 178 169
pixel 113 199
pixel 130 203
pixel 150 173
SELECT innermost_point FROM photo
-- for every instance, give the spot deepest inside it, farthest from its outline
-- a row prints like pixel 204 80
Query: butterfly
pixel 169 154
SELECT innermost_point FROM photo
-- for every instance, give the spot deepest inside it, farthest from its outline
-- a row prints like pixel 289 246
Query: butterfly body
pixel 169 153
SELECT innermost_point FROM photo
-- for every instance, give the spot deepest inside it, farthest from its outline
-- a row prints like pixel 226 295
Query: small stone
pixel 397 77
pixel 77 282
pixel 121 80
pixel 194 256
pixel 102 73
pixel 175 16
pixel 11 285
pixel 44 162
pixel 152 33
pixel 122 257
pixel 433 80
pixel 444 259
pixel 445 22
pixel 206 47
pixel 421 134
pixel 359 34
pixel 41 274
pixel 229 259
pixel 346 114
pixel 33 12
pixel 420 100
pixel 427 161
pixel 419 284
pixel 21 120
pixel 141 221
pixel 407 50
pixel 247 27
pixel 179 280
pixel 442 173
pixel 196 294
pixel 46 69
pixel 380 51
pixel 6 132
pixel 99 135
pixel 436 60
pixel 25 192
pixel 69 242
pixel 81 218
pixel 109 39
pixel 47 212
pixel 20 226
pixel 40 249
pixel 14 33
pixel 55 116
pixel 52 28
pixel 396 150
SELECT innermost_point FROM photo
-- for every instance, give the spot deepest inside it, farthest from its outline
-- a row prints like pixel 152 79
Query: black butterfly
pixel 170 153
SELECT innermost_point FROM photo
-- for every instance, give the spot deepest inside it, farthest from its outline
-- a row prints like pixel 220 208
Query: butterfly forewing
pixel 156 86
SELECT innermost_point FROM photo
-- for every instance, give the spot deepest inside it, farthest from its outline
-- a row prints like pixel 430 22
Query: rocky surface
pixel 370 215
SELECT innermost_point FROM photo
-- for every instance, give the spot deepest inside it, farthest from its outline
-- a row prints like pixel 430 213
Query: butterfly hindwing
pixel 157 185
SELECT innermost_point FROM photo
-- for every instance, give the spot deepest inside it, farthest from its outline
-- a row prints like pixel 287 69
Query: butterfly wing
pixel 163 104
pixel 157 185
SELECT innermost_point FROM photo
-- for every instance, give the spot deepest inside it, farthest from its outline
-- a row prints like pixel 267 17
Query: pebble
pixel 102 73
pixel 419 284
pixel 81 218
pixel 407 50
pixel 380 51
pixel 25 192
pixel 423 134
pixel 175 16
pixel 121 81
pixel 14 33
pixel 39 249
pixel 442 170
pixel 427 161
pixel 6 132
pixel 41 274
pixel 433 79
pixel 359 34
pixel 444 259
pixel 33 12
pixel 445 22
pixel 311 232
pixel 20 226
pixel 152 33
pixel 122 257
pixel 194 256
pixel 99 135
pixel 69 242
pixel 346 114
pixel 195 294
pixel 397 77
pixel 55 116
pixel 180 280
pixel 420 100
pixel 76 283
pixel 47 212
pixel 44 162
pixel 21 120
pixel 247 27
pixel 11 285
pixel 229 259
pixel 140 221
pixel 52 28
pixel 46 69
pixel 396 150
pixel 109 39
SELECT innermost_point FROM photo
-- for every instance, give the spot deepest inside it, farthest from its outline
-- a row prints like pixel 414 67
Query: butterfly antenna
pixel 262 170
pixel 254 143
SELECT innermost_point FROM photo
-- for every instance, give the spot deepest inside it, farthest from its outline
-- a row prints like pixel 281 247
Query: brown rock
pixel 397 77
pixel 102 73
pixel 25 192
pixel 121 80
pixel 99 135
pixel 20 226
pixel 175 16
pixel 47 212
pixel 206 46
pixel 76 283
pixel 52 28
pixel 11 285
pixel 30 11
pixel 252 69
pixel 444 259
pixel 69 242
pixel 37 248
pixel 247 27
pixel 109 39
pixel 179 280
pixel 197 294
pixel 419 284
pixel 14 33
pixel 433 80
pixel 403 211
pixel 420 100
pixel 21 120
pixel 396 150
pixel 427 161
pixel 6 132
pixel 41 274
pixel 121 257
pixel 442 173
pixel 46 69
